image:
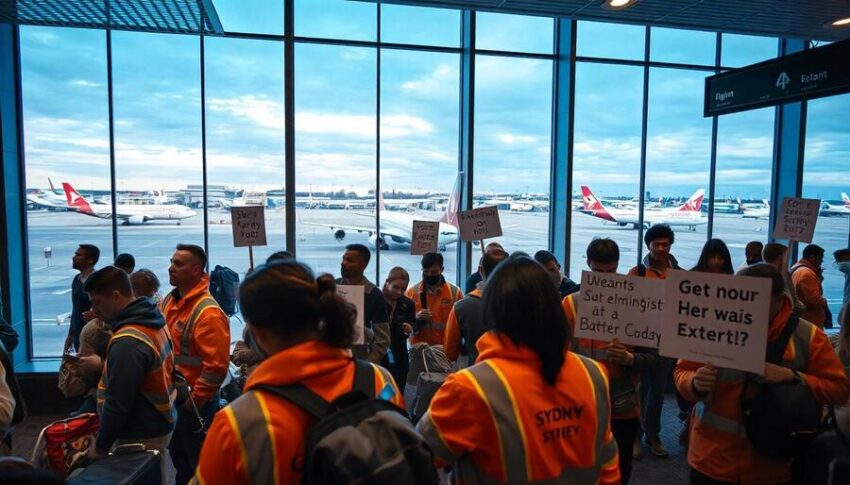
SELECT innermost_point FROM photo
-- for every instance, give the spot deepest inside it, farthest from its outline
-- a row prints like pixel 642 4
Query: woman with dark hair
pixel 307 331
pixel 715 258
pixel 529 409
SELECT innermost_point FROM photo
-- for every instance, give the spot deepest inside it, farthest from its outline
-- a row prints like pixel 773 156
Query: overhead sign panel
pixel 810 74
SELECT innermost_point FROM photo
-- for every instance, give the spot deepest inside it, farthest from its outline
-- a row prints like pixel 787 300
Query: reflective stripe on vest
pixel 250 420
pixel 498 396
pixel 185 357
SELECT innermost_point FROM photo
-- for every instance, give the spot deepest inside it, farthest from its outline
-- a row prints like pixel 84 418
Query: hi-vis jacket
pixel 440 303
pixel 260 438
pixel 806 279
pixel 719 446
pixel 464 320
pixel 624 381
pixel 200 332
pixel 500 422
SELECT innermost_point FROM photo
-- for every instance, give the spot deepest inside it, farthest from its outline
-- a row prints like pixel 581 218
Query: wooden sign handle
pixel 251 256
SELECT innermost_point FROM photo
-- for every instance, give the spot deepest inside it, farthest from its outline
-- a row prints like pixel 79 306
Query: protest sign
pixel 479 224
pixel 797 219
pixel 425 237
pixel 628 308
pixel 716 318
pixel 249 226
pixel 355 295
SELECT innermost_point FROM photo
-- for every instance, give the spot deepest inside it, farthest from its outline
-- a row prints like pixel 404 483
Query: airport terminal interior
pixel 138 125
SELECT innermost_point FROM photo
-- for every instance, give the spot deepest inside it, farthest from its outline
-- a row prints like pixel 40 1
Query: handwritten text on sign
pixel 714 318
pixel 478 224
pixel 425 238
pixel 627 308
pixel 355 294
pixel 249 226
pixel 797 220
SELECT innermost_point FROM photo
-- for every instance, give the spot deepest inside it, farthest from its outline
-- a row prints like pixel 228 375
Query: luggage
pixel 224 287
pixel 429 380
pixel 130 468
pixel 62 444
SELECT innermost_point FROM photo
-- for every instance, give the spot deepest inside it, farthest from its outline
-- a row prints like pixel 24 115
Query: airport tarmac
pixel 153 243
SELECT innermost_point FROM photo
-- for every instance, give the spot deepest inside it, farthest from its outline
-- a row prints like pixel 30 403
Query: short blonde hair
pixel 398 272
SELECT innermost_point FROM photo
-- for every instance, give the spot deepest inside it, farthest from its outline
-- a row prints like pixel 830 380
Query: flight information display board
pixel 813 73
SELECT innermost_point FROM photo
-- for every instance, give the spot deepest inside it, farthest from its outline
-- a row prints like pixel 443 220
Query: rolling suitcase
pixel 125 468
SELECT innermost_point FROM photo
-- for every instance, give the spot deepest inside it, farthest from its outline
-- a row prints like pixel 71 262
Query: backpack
pixel 224 287
pixel 780 419
pixel 827 459
pixel 359 439
pixel 62 444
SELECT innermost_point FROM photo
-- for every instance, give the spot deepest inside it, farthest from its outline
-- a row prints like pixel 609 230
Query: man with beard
pixel 375 320
pixel 84 260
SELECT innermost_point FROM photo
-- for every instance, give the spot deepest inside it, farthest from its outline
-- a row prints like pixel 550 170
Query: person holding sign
pixel 529 410
pixel 807 277
pixel 375 319
pixel 623 363
pixel 658 239
pixel 719 450
pixel 434 298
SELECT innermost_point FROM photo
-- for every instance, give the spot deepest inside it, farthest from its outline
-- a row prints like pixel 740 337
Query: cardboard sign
pixel 628 308
pixel 479 224
pixel 797 220
pixel 355 294
pixel 249 225
pixel 719 319
pixel 426 235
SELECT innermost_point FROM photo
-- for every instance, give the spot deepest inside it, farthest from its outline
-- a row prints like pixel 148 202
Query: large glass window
pixel 606 160
pixel 678 159
pixel 742 50
pixel 252 16
pixel 335 152
pixel 416 25
pixel 682 46
pixel 518 33
pixel 158 161
pixel 513 119
pixel 613 41
pixel 419 137
pixel 66 127
pixel 336 19
pixel 827 177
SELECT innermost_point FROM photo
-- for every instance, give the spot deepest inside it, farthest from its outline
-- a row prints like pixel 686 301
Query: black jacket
pixel 126 413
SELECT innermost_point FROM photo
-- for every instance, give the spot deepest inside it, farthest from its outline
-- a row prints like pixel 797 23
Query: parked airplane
pixel 837 210
pixel 762 212
pixel 687 215
pixel 47 199
pixel 398 226
pixel 128 213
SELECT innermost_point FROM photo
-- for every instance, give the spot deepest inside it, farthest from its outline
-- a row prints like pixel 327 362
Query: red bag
pixel 63 443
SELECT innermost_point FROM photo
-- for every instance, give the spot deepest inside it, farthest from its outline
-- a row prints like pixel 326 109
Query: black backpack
pixel 359 439
pixel 827 459
pixel 780 419
pixel 224 287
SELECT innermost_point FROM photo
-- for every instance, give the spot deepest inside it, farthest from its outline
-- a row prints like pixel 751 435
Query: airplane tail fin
pixel 845 199
pixel 52 188
pixel 450 216
pixel 592 205
pixel 694 204
pixel 75 200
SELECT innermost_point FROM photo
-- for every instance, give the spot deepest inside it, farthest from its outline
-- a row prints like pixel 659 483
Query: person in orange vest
pixel 719 450
pixel 135 396
pixel 658 261
pixel 623 363
pixel 466 320
pixel 306 330
pixel 200 332
pixel 529 410
pixel 807 277
pixel 434 298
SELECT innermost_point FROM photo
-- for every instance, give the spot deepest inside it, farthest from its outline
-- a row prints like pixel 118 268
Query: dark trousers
pixel 625 431
pixel 698 478
pixel 188 437
pixel 653 384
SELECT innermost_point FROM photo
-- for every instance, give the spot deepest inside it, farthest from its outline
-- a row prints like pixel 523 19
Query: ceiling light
pixel 845 22
pixel 618 4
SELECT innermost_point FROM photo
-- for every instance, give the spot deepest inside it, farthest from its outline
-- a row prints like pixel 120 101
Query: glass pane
pixel 513 119
pixel 517 33
pixel 158 167
pixel 678 159
pixel 827 177
pixel 743 50
pixel 419 140
pixel 615 41
pixel 251 16
pixel 66 126
pixel 682 46
pixel 335 153
pixel 606 160
pixel 742 186
pixel 245 145
pixel 418 25
pixel 336 19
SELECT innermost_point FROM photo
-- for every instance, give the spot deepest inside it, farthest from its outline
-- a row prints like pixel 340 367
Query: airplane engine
pixel 136 220
pixel 378 242
pixel 339 235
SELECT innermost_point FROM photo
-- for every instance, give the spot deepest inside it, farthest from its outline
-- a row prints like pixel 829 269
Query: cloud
pixel 82 83
pixel 511 139
pixel 442 78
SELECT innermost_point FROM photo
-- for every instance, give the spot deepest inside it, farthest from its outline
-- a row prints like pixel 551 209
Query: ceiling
pixel 802 19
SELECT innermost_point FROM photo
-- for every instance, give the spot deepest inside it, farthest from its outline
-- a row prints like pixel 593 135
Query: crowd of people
pixel 522 402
